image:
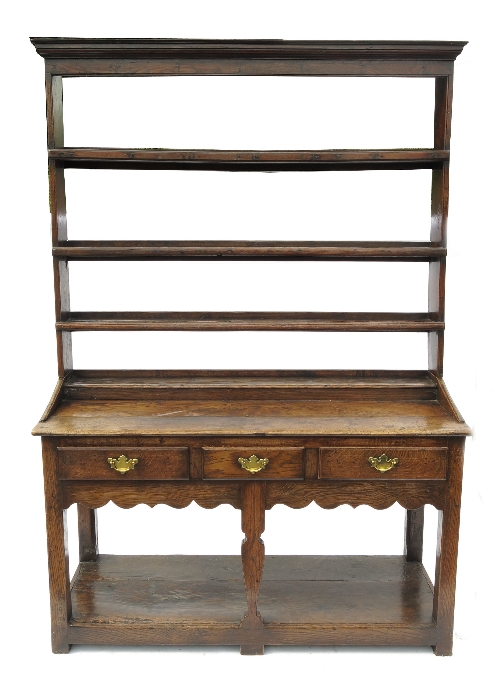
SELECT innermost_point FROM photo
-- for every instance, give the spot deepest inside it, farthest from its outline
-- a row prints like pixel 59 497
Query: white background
pixel 471 369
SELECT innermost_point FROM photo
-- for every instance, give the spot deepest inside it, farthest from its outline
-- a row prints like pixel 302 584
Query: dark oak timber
pixel 120 49
pixel 57 195
pixel 87 533
pixel 245 385
pixel 414 534
pixel 153 463
pixel 123 250
pixel 252 439
pixel 249 321
pixel 247 160
pixel 171 57
pixel 252 557
pixel 439 217
pixel 57 547
pixel 373 601
pixel 426 68
pixel 237 418
pixel 447 552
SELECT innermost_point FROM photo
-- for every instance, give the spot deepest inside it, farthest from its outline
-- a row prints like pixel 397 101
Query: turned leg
pixel 447 551
pixel 57 547
pixel 414 534
pixel 87 533
pixel 252 557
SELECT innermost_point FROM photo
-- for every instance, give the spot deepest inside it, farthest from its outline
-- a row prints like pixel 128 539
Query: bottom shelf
pixel 310 600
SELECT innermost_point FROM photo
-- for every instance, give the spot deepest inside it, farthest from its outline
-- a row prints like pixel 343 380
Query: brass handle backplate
pixel 383 463
pixel 122 464
pixel 253 463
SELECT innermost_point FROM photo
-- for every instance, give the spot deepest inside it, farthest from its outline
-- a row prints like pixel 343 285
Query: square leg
pixel 57 549
pixel 447 551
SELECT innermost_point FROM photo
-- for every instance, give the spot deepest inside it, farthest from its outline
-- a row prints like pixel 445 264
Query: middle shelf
pixel 228 250
pixel 248 160
pixel 250 321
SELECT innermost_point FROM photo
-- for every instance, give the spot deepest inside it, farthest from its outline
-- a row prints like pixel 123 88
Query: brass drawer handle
pixel 253 464
pixel 122 464
pixel 383 463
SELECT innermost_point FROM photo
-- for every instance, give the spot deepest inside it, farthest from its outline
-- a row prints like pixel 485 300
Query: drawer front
pixel 285 464
pixel 153 463
pixel 413 463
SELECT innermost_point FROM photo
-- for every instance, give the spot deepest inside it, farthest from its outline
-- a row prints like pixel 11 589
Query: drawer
pixel 153 463
pixel 347 463
pixel 274 464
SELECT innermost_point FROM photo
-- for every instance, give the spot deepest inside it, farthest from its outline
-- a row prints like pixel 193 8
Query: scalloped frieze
pixel 294 495
pixel 377 495
pixel 128 495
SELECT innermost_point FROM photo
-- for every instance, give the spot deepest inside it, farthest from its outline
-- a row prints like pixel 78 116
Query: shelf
pixel 181 600
pixel 228 250
pixel 248 321
pixel 130 385
pixel 115 381
pixel 248 160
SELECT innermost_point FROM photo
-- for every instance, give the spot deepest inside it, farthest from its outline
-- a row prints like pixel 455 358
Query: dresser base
pixel 190 437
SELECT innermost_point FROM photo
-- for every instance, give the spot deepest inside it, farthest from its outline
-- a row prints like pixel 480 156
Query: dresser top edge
pixel 175 48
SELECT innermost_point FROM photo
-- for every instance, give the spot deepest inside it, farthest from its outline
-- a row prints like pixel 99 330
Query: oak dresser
pixel 251 439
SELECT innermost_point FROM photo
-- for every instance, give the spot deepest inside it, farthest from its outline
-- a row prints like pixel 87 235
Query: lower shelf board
pixel 310 600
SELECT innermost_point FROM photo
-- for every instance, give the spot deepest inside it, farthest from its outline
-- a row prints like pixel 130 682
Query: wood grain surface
pixel 414 534
pixel 345 463
pixel 249 385
pixel 389 597
pixel 232 250
pixel 252 417
pixel 410 495
pixel 57 197
pixel 87 533
pixel 250 321
pixel 447 551
pixel 120 49
pixel 95 494
pixel 248 160
pixel 57 549
pixel 284 464
pixel 154 463
pixel 253 502
pixel 209 494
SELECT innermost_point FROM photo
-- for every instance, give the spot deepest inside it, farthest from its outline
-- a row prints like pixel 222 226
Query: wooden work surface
pixel 284 417
pixel 107 404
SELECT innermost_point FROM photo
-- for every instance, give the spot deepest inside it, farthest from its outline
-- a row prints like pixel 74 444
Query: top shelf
pixel 175 57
